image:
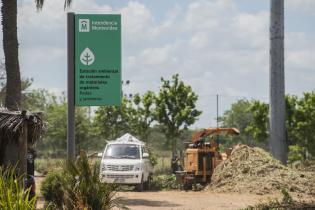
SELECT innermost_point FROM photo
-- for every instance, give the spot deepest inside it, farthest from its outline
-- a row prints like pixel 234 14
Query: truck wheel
pixel 140 187
pixel 147 184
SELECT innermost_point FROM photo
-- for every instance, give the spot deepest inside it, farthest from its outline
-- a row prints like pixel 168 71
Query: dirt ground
pixel 181 200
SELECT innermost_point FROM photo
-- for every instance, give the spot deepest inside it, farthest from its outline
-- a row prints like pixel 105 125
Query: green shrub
pixel 165 182
pixel 295 153
pixel 12 193
pixel 52 189
pixel 79 187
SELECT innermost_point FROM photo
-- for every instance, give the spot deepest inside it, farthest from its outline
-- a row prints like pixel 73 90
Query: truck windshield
pixel 119 151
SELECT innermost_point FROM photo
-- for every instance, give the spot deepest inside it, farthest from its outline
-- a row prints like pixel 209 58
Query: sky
pixel 216 46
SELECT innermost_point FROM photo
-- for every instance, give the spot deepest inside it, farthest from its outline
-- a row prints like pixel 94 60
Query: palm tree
pixel 12 67
pixel 11 53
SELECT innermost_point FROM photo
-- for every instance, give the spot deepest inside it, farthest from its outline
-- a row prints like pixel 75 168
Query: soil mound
pixel 253 170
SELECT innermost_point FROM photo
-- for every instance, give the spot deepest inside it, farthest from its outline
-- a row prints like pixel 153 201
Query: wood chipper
pixel 202 156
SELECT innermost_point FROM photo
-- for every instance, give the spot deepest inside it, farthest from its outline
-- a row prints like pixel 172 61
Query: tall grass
pixel 163 166
pixel 12 193
pixel 44 166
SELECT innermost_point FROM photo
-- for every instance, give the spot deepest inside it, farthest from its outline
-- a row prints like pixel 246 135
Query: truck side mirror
pixel 99 154
pixel 145 155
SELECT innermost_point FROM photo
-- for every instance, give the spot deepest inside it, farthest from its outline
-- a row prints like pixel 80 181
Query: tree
pixel 112 121
pixel 141 114
pixel 55 114
pixel 56 134
pixel 258 127
pixel 239 116
pixel 34 100
pixel 175 108
pixel 303 130
pixel 10 48
pixel 11 54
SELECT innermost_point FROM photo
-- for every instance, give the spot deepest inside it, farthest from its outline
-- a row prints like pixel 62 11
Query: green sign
pixel 97 60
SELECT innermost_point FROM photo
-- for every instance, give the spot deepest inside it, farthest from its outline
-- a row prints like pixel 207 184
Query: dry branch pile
pixel 253 170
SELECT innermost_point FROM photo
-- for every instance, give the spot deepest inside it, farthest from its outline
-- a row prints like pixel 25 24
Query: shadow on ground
pixel 144 202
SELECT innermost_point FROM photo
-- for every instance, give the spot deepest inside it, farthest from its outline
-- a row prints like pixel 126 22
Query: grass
pixel 44 166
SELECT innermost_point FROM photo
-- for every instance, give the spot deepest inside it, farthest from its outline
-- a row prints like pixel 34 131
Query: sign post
pixel 71 107
pixel 94 64
pixel 97 60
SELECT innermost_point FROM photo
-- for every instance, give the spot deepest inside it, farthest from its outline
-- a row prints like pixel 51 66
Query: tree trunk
pixel 10 48
pixel 277 143
pixel 22 164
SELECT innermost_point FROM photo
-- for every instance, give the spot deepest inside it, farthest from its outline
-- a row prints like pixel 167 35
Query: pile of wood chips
pixel 253 170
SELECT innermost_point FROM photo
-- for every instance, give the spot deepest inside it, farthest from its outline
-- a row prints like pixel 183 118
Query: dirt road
pixel 181 200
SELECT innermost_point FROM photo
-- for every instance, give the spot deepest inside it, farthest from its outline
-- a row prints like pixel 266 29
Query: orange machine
pixel 202 156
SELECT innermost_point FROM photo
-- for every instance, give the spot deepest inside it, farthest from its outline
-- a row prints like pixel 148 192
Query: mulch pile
pixel 253 170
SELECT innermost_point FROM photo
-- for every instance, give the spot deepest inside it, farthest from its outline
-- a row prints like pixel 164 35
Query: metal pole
pixel 71 107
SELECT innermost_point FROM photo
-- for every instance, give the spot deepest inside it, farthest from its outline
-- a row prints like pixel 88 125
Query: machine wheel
pixel 187 186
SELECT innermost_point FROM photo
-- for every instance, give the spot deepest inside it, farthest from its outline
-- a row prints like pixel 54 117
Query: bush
pixel 12 193
pixel 77 186
pixel 165 182
pixel 295 153
pixel 52 189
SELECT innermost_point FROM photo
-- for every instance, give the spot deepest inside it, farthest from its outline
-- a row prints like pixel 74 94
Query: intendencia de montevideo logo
pixel 84 25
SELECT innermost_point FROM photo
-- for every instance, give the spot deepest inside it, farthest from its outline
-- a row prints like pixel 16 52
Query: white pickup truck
pixel 126 161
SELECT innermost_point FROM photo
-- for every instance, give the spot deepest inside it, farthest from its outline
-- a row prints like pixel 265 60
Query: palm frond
pixel 67 4
pixel 39 4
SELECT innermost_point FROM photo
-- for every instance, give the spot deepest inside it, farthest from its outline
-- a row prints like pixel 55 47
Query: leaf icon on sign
pixel 87 57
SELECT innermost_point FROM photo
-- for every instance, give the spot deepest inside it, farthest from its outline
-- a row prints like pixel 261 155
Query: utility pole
pixel 217 110
pixel 277 142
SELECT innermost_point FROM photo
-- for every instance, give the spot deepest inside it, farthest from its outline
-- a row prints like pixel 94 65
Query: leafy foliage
pixel 55 113
pixel 112 121
pixel 296 153
pixel 300 123
pixel 165 182
pixel 304 132
pixel 12 193
pixel 258 127
pixel 52 189
pixel 141 114
pixel 78 186
pixel 176 107
pixel 134 116
pixel 239 116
